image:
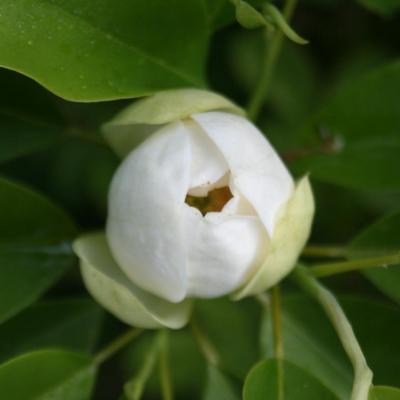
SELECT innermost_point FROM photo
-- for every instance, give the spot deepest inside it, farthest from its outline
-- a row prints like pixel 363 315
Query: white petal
pixel 257 171
pixel 144 227
pixel 208 165
pixel 111 288
pixel 292 231
pixel 237 205
pixel 222 251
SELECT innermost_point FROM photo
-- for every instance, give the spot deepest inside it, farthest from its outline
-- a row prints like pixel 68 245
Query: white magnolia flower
pixel 203 207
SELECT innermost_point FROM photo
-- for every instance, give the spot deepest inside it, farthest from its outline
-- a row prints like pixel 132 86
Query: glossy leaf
pixel 106 49
pixel 263 382
pixel 311 343
pixel 354 141
pixel 34 249
pixel 218 386
pixel 384 393
pixel 47 374
pixel 73 325
pixel 383 237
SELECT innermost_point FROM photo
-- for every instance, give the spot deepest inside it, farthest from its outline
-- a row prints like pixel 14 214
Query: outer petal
pixel 257 171
pixel 111 288
pixel 144 226
pixel 143 117
pixel 292 231
pixel 223 251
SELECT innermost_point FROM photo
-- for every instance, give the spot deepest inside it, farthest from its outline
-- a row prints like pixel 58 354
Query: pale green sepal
pixel 291 233
pixel 249 17
pixel 110 287
pixel 142 118
pixel 272 13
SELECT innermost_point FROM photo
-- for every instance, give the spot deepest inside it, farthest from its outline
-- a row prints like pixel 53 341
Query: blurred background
pixel 73 166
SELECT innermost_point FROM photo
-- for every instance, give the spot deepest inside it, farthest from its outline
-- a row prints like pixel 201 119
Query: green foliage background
pixel 333 109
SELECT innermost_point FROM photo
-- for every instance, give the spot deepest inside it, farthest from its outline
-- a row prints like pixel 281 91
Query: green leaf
pixel 19 137
pixel 29 120
pixel 34 249
pixel 310 341
pixel 383 7
pixel 227 323
pixel 218 386
pixel 296 384
pixel 134 388
pixel 377 327
pixel 47 374
pixel 105 49
pixel 358 142
pixel 21 95
pixel 383 237
pixel 71 324
pixel 76 174
pixel 292 95
pixel 384 393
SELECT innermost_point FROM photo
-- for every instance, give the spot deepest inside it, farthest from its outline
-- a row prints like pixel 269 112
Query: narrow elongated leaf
pixel 240 319
pixel 381 238
pixel 134 388
pixel 47 374
pixel 105 49
pixel 355 140
pixel 218 386
pixel 72 324
pixel 34 249
pixel 310 341
pixel 188 370
pixel 280 380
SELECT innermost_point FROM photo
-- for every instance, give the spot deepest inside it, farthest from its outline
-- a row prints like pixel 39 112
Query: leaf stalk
pixel 362 373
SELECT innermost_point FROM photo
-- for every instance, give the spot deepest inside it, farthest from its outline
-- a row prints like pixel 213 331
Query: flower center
pixel 214 201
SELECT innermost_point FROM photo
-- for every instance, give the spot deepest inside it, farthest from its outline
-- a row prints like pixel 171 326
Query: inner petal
pixel 208 169
pixel 258 173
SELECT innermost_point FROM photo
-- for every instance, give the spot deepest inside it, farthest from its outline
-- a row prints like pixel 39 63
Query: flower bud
pixel 203 207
